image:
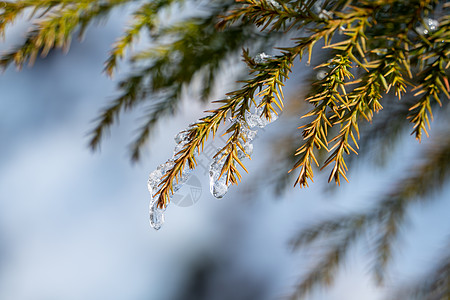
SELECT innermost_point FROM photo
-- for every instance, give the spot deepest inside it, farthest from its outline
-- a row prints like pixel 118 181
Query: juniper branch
pixel 388 216
pixel 435 53
pixel 54 28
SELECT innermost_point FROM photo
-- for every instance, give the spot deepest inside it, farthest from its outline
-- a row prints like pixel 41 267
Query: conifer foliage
pixel 375 50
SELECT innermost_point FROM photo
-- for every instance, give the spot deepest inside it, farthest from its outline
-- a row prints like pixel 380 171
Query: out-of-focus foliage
pixel 378 52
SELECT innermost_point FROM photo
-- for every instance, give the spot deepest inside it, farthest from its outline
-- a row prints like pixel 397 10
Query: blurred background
pixel 74 224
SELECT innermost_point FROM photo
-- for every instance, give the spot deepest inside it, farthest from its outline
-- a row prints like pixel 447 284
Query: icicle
pixel 217 186
pixel 156 213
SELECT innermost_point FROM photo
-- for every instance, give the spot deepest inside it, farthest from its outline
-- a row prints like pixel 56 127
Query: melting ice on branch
pixel 217 183
pixel 155 178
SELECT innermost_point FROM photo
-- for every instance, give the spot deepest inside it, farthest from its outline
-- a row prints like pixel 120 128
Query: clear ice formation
pixel 217 186
pixel 217 183
pixel 156 213
pixel 274 4
pixel 255 119
pixel 432 25
pixel 261 58
pixel 321 13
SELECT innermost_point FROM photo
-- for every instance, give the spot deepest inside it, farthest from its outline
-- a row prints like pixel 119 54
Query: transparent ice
pixel 154 179
pixel 156 213
pixel 248 148
pixel 255 119
pixel 321 13
pixel 217 186
pixel 274 4
pixel 325 14
pixel 261 58
pixel 432 25
pixel 217 183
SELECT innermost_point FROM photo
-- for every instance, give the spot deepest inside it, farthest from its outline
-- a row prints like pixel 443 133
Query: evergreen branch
pixel 434 53
pixel 279 15
pixel 329 228
pixel 324 272
pixel 382 135
pixel 145 16
pixel 134 91
pixel 270 74
pixel 165 106
pixel 55 27
pixel 12 10
pixel 388 215
pixel 328 95
pixel 315 133
pixel 365 101
pixel 197 49
pixel 425 179
pixel 435 83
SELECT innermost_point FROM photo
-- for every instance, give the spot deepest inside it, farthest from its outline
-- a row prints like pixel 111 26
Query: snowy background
pixel 74 224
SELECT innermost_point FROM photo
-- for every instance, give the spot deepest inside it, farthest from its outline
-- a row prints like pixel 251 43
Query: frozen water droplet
pixel 307 64
pixel 432 23
pixel 274 4
pixel 219 188
pixel 325 14
pixel 182 138
pixel 331 63
pixel 261 58
pixel 380 52
pixel 321 75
